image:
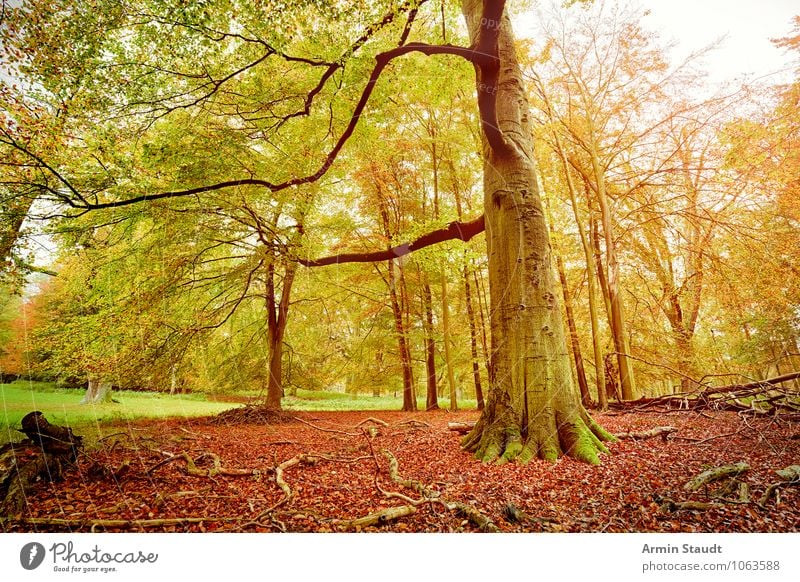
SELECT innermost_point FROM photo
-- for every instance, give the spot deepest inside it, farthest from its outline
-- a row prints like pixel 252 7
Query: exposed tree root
pixel 670 505
pixel 430 496
pixel 381 517
pixel 790 476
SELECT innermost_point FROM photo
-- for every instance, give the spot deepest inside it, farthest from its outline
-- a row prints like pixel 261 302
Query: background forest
pixel 673 208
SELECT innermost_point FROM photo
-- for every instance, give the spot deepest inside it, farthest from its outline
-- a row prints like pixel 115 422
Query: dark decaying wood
pixel 40 457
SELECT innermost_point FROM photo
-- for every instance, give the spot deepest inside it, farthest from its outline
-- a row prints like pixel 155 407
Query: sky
pixel 747 26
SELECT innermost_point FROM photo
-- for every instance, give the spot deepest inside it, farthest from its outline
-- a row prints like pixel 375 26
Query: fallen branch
pixel 715 474
pixel 790 476
pixel 661 431
pixel 460 427
pixel 195 471
pixel 381 517
pixel 670 505
pixel 767 398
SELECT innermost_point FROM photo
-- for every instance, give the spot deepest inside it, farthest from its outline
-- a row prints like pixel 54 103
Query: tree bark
pixel 473 341
pixel 98 392
pixel 586 400
pixel 432 399
pixel 277 319
pixel 533 408
pixel 409 397
pixel 446 340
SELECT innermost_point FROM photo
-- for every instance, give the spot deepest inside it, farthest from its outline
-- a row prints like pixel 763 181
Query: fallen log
pixel 54 439
pixel 42 455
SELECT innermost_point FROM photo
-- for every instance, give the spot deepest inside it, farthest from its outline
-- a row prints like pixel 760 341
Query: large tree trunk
pixel 533 408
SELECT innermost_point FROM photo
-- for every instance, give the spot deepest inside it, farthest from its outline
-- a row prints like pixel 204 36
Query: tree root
pixel 579 437
pixel 430 496
pixel 790 476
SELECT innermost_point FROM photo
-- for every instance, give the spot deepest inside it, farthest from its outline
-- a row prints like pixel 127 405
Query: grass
pixel 320 400
pixel 62 406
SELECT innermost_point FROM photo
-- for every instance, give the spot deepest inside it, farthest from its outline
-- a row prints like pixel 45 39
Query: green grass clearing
pixel 62 406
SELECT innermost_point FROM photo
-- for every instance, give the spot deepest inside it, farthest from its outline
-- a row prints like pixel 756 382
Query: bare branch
pixel 456 230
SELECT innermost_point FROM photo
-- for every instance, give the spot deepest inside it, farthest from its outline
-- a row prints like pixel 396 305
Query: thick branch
pixel 487 61
pixel 456 230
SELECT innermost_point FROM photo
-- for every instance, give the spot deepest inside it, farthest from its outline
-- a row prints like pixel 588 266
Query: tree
pixel 533 408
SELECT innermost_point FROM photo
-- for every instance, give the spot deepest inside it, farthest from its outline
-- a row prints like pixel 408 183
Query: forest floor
pixel 319 471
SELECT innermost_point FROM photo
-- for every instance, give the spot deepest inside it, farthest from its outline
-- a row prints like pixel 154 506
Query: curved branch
pixel 457 230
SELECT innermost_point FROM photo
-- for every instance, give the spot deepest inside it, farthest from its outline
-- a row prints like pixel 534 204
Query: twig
pixel 325 429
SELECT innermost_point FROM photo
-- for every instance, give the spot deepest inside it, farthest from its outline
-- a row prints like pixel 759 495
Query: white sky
pixel 748 26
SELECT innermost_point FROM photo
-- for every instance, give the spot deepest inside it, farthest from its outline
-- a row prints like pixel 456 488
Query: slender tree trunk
pixel 473 340
pixel 612 387
pixel 618 327
pixel 480 293
pixel 533 408
pixel 278 317
pixel 448 356
pixel 432 399
pixel 586 400
pixel 409 397
pixel 597 348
